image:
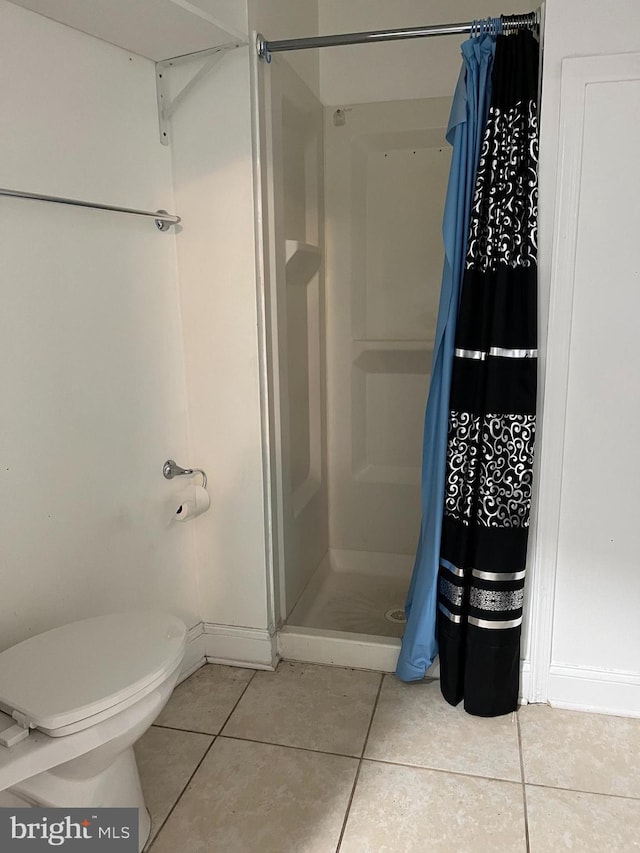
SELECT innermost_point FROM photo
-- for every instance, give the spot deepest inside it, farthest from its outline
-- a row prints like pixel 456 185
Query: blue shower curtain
pixel 466 126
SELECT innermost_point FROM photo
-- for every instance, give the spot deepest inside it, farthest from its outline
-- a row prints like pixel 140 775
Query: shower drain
pixel 396 614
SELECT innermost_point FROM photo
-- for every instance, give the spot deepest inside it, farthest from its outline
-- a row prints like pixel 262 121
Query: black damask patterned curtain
pixel 492 404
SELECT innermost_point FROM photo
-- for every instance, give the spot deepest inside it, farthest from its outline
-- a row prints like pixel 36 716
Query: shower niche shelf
pixel 302 260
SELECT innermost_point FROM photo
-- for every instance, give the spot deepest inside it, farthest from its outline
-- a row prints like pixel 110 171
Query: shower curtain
pixel 491 420
pixel 466 126
pixel 467 589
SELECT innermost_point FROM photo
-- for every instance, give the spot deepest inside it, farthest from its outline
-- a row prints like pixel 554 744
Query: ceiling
pixel 156 29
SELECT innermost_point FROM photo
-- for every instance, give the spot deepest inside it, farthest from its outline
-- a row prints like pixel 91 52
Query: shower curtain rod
pixel 510 24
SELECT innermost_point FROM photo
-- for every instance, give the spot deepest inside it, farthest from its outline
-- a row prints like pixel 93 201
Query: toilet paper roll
pixel 194 500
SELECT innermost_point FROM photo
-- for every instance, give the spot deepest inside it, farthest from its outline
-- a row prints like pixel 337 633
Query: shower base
pixel 346 615
pixel 356 592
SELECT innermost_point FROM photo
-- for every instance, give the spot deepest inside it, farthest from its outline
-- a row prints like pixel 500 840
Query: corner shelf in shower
pixel 302 260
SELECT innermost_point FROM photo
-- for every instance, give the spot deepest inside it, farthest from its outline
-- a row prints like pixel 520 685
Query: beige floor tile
pixel 411 810
pixel 203 702
pixel 583 823
pixel 166 759
pixel 414 725
pixel 586 752
pixel 315 707
pixel 258 798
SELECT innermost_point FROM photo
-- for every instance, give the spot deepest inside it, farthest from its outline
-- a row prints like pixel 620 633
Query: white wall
pixel 230 13
pixel 282 19
pixel 92 374
pixel 586 541
pixel 212 162
pixel 420 68
pixel 100 391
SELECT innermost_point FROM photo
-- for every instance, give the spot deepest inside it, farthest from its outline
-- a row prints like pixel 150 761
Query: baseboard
pixel 233 646
pixel 359 651
pixel 229 645
pixel 596 690
pixel 524 697
pixel 338 648
pixel 194 656
pixel 255 648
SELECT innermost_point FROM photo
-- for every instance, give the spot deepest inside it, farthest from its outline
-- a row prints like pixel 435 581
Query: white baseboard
pixel 524 696
pixel 255 648
pixel 226 644
pixel 233 646
pixel 596 690
pixel 194 656
pixel 337 648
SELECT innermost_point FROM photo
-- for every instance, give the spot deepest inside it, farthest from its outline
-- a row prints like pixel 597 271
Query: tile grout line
pixel 239 699
pixel 206 752
pixel 231 713
pixel 357 776
pixel 374 760
pixel 524 787
pixel 582 791
pixel 290 746
pixel 443 770
pixel 178 729
pixel 403 764
pixel 357 757
pixel 391 763
pixel 179 797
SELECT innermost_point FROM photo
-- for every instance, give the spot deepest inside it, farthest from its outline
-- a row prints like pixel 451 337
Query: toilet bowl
pixel 85 693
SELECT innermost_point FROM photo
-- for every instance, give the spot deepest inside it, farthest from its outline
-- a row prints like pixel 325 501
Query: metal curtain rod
pixel 510 24
pixel 163 220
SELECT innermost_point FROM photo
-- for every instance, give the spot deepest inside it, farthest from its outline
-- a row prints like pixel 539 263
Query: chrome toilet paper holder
pixel 170 470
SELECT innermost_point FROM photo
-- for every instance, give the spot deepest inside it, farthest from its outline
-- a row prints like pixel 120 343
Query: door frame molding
pixel 576 75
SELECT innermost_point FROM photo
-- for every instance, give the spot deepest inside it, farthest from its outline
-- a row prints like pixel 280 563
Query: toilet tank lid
pixel 72 672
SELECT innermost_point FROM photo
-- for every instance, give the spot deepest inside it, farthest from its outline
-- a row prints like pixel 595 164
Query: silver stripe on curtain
pixel 488 623
pixel 448 613
pixel 451 568
pixel 498 576
pixel 496 352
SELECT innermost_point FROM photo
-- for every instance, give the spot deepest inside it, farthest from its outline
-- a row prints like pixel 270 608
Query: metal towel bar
pixel 163 220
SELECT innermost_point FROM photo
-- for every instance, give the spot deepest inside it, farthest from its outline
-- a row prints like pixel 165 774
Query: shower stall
pixel 352 196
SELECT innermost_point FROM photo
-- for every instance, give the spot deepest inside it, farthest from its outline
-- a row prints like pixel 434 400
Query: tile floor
pixel 313 759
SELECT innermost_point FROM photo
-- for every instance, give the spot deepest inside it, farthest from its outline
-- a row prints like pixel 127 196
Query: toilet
pixel 74 700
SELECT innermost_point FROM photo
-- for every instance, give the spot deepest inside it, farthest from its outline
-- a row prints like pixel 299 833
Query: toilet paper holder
pixel 171 470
